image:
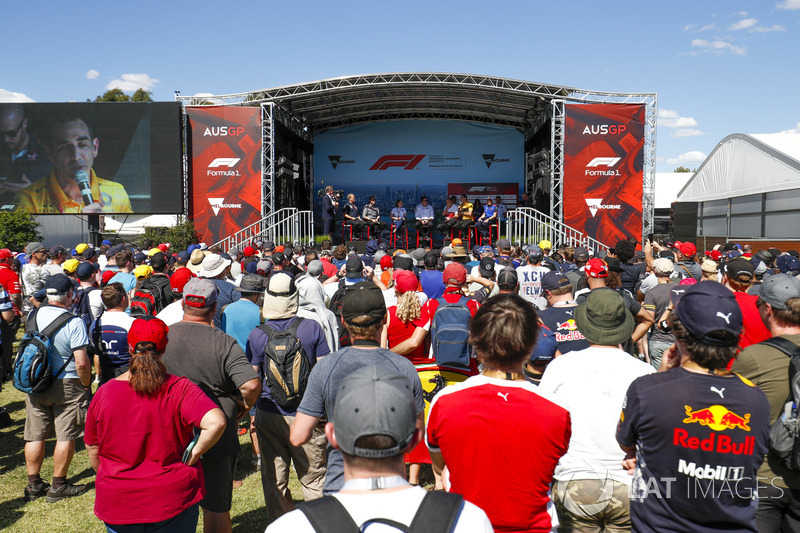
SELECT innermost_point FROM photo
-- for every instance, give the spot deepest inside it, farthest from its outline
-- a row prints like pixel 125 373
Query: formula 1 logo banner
pixel 225 186
pixel 603 170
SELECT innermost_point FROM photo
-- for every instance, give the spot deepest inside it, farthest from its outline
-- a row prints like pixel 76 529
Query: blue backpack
pixel 450 333
pixel 32 372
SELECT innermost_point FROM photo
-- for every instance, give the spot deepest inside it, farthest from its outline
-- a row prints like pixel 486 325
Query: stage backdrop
pixel 603 162
pixel 225 170
pixel 410 158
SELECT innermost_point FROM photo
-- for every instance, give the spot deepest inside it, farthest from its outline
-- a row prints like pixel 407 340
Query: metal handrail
pixel 526 225
pixel 284 225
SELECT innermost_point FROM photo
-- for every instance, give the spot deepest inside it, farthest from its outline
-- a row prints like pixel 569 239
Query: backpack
pixel 450 333
pixel 82 307
pixel 286 366
pixel 784 433
pixel 151 297
pixel 335 305
pixel 437 513
pixel 32 372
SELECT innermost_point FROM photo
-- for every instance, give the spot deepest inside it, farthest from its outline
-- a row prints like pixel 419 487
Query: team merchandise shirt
pixel 350 210
pixel 530 284
pixel 323 384
pixel 47 196
pixel 591 384
pixel 753 328
pixel 561 321
pixel 141 476
pixel 486 430
pixel 466 211
pixel 422 212
pixel 10 282
pixel 489 211
pixel 397 331
pixel 702 437
pixel 109 336
pixel 399 212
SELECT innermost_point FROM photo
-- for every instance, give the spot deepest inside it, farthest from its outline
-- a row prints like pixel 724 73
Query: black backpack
pixel 153 295
pixel 286 367
pixel 335 305
pixel 82 307
pixel 784 433
pixel 437 513
pixel 32 372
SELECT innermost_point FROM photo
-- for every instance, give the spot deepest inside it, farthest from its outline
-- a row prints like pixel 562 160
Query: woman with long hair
pixel 145 432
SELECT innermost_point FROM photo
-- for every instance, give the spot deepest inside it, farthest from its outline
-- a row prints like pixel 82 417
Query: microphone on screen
pixel 82 179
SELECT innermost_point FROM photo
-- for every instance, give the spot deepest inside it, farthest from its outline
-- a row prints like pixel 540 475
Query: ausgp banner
pixel 225 170
pixel 603 170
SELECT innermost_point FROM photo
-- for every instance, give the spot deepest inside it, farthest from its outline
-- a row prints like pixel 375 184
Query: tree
pixel 179 236
pixel 682 169
pixel 17 229
pixel 142 96
pixel 113 95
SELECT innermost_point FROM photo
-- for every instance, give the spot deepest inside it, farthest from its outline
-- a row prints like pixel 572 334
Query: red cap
pixel 148 329
pixel 386 262
pixel 5 253
pixel 163 247
pixel 249 251
pixel 454 274
pixel 106 277
pixel 279 249
pixel 688 249
pixel 596 268
pixel 405 281
pixel 179 279
pixel 715 255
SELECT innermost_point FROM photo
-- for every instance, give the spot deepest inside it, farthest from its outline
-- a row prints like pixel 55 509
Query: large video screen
pixel 110 158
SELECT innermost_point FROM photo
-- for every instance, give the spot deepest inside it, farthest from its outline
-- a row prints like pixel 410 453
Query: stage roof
pixel 325 104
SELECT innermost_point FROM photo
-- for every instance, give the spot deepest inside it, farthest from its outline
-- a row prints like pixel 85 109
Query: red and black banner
pixel 225 170
pixel 603 170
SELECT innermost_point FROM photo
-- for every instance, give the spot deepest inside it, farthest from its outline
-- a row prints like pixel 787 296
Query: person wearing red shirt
pixel 484 429
pixel 328 268
pixel 8 330
pixel 144 475
pixel 737 276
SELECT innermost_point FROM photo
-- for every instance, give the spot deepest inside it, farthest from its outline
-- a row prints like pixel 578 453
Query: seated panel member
pixel 424 216
pixel 72 148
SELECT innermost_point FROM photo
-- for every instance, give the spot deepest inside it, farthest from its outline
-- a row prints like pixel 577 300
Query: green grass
pixel 77 514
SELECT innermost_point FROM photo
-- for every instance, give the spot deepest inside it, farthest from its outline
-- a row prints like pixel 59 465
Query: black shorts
pixel 218 476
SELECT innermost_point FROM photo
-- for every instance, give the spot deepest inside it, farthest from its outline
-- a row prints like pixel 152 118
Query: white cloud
pixel 687 132
pixel 694 156
pixel 131 82
pixel 92 74
pixel 671 119
pixel 708 27
pixel 743 24
pixel 740 13
pixel 688 27
pixel 796 129
pixel 765 29
pixel 788 4
pixel 11 96
pixel 718 47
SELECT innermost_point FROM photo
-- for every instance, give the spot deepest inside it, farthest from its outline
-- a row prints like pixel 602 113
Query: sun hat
pixel 281 297
pixel 604 318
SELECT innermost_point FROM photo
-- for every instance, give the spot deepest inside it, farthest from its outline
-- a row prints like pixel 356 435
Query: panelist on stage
pixel 450 214
pixel 466 218
pixel 329 205
pixel 424 215
pixel 73 186
pixel 372 217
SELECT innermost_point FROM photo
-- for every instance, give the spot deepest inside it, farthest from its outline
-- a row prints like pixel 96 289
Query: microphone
pixel 82 179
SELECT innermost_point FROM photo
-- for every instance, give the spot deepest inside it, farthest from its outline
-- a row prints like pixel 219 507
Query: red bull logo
pixel 717 418
pixel 567 324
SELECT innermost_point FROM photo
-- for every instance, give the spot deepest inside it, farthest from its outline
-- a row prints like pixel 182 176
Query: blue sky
pixel 719 67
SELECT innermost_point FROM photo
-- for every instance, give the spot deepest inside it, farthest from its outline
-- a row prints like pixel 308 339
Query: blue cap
pixel 58 284
pixel 693 312
pixel 185 255
pixel 546 346
pixel 106 242
pixel 84 270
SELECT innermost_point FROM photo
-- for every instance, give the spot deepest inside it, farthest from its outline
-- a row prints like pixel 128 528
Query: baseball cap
pixel 34 247
pixel 81 247
pixel 662 266
pixel 405 281
pixel 778 289
pixel 158 260
pixel 504 244
pixel 604 318
pixel 204 290
pixel 546 346
pixel 454 274
pixel 84 271
pixel 139 257
pixel 354 268
pixel 280 249
pixel 507 279
pixel 544 244
pixel 57 285
pixel 143 271
pixel 403 262
pixel 714 255
pixel 486 267
pixel 695 313
pixel 386 262
pixel 268 246
pixel 249 251
pixel 650 281
pixel 374 401
pixel 740 270
pixel 5 253
pixel 596 268
pixel 180 278
pixel 263 267
pixel 106 277
pixel 70 265
pixel 148 329
pixel 688 249
pixel 55 251
pixel 183 256
pixel 105 242
pixel 114 250
pixel 581 254
pixel 363 298
pixel 554 280
pixel 315 268
pixel 152 251
pixel 431 259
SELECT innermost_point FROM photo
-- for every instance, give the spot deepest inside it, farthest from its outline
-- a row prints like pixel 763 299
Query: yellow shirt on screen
pixel 47 196
pixel 464 209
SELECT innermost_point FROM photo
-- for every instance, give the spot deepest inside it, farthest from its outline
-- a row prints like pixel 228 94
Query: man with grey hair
pixel 63 406
pixel 33 274
pixel 657 303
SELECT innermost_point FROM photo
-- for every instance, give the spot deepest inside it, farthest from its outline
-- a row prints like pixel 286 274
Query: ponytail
pixel 148 372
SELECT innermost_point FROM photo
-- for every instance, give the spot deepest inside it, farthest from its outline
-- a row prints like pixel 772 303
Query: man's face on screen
pixel 71 149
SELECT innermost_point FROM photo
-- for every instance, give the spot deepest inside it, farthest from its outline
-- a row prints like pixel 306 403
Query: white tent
pixel 742 165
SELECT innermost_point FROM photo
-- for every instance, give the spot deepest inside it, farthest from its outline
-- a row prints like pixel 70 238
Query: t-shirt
pixel 432 283
pixel 33 278
pixel 561 321
pixel 312 338
pixel 141 476
pixel 66 340
pixel 768 369
pixel 656 301
pixel 486 429
pixel 127 279
pixel 227 294
pixel 399 506
pixel 631 274
pixel 465 208
pixel 591 383
pixel 10 282
pixel 216 364
pixel 397 331
pixel 109 336
pixel 172 313
pixel 699 438
pixel 530 284
pixel 753 328
pixel 350 210
pixel 239 319
pixel 323 384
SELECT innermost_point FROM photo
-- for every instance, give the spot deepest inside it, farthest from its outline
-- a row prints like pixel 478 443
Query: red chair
pixel 479 236
pixel 393 238
pixel 461 235
pixel 350 226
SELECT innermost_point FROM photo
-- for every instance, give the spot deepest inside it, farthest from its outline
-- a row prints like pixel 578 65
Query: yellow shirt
pixel 47 196
pixel 464 208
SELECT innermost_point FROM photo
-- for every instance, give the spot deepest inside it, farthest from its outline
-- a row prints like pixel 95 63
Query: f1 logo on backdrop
pixel 608 162
pixel 408 162
pixel 229 162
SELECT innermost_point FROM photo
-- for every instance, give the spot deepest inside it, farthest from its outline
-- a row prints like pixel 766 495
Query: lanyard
pixel 374 483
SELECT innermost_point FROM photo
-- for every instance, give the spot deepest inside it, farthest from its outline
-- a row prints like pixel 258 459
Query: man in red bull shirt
pixel 695 434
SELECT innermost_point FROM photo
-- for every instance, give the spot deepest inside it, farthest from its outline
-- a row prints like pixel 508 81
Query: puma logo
pixel 503 396
pixel 726 317
pixel 719 391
